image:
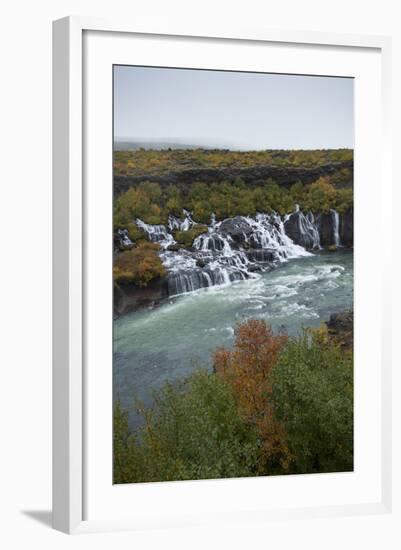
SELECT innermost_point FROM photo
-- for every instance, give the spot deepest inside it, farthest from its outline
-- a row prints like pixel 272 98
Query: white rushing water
pixel 156 233
pixel 336 226
pixel 169 342
pixel 234 249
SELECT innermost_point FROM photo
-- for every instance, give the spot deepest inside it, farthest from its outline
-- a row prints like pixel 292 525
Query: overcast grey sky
pixel 233 109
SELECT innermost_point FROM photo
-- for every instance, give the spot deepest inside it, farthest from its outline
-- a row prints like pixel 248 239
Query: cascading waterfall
pixel 213 241
pixel 124 241
pixel 269 233
pixel 336 225
pixel 178 224
pixel 234 249
pixel 156 233
pixel 212 220
pixel 302 229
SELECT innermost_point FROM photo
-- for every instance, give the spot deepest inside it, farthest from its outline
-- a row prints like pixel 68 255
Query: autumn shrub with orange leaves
pixel 274 404
pixel 247 368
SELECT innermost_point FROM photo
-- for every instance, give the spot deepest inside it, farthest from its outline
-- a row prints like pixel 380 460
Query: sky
pixel 233 110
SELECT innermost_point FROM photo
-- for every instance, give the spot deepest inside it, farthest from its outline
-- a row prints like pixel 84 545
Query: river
pixel 170 341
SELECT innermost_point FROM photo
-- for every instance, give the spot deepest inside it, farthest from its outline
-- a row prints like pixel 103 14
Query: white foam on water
pixel 217 260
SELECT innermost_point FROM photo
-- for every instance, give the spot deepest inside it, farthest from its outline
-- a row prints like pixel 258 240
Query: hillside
pixel 186 166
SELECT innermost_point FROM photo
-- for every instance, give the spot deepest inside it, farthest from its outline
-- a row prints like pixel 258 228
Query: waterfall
pixel 309 229
pixel 213 241
pixel 269 233
pixel 181 282
pixel 234 249
pixel 179 224
pixel 156 233
pixel 302 229
pixel 336 224
pixel 123 239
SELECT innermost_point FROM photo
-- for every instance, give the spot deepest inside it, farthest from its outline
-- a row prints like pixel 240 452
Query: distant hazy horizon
pixel 174 143
pixel 231 110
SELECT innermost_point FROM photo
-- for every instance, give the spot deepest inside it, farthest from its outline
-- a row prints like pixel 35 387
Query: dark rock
pixel 129 297
pixel 122 241
pixel 254 242
pixel 173 247
pixel 339 322
pixel 347 228
pixel 254 268
pixel 295 228
pixel 261 256
pixel 326 228
pixel 253 175
pixel 237 228
pixel 341 329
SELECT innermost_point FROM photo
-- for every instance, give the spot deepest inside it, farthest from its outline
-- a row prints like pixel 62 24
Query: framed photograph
pixel 218 353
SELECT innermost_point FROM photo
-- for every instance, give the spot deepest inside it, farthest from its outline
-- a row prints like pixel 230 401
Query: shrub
pixel 320 196
pixel 344 200
pixel 138 266
pixel 313 397
pixel 248 370
pixel 274 405
pixel 193 431
pixel 186 238
pixel 121 459
pixel 143 201
pixel 135 233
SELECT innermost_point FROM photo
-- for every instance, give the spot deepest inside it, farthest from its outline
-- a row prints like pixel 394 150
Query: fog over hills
pixel 133 144
pixel 121 144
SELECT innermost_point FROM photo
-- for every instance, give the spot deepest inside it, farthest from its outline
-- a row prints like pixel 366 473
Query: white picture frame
pixel 70 260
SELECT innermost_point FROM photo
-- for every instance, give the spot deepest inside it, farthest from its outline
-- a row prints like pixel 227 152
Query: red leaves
pixel 248 370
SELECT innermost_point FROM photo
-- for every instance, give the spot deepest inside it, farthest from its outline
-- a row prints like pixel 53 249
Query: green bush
pixel 143 201
pixel 313 397
pixel 138 266
pixel 186 238
pixel 192 432
pixel 122 466
pixel 270 394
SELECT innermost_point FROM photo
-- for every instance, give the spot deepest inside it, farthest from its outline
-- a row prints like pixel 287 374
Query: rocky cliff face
pixel 256 175
pixel 329 229
pixel 302 229
pixel 129 297
pixel 237 228
pixel 347 228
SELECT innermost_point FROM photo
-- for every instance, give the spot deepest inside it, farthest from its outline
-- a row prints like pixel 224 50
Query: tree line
pixel 153 204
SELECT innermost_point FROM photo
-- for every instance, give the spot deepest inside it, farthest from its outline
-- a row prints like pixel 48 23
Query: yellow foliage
pixel 139 265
